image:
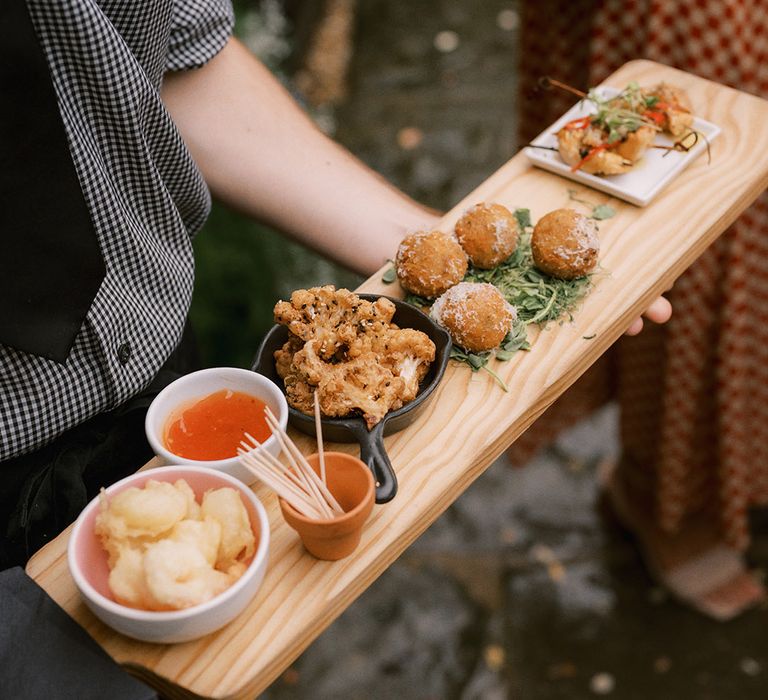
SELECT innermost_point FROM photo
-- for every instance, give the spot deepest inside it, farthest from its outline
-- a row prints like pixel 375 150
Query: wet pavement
pixel 432 94
pixel 519 590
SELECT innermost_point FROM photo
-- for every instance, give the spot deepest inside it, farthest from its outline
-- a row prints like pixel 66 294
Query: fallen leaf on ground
pixel 494 656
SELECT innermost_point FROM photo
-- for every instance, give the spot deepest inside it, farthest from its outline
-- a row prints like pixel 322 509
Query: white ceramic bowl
pixel 88 565
pixel 198 385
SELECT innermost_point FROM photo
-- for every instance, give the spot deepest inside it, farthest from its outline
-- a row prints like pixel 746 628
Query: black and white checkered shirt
pixel 145 195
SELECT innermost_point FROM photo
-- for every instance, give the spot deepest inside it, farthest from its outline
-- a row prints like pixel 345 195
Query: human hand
pixel 660 311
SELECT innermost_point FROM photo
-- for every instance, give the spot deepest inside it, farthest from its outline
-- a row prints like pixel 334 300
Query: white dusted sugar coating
pixel 475 314
pixel 565 244
pixel 429 262
pixel 488 233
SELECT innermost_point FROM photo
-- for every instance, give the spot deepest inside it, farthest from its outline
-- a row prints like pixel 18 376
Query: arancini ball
pixel 475 314
pixel 564 244
pixel 429 262
pixel 488 233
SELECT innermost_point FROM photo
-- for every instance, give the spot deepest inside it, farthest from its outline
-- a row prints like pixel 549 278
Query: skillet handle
pixel 372 452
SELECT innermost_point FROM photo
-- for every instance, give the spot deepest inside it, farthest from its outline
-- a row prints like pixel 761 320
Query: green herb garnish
pixel 504 355
pixel 537 297
pixel 603 211
pixel 523 217
pixel 622 114
pixel 476 362
pixel 417 301
pixel 517 339
pixel 389 275
pixel 599 211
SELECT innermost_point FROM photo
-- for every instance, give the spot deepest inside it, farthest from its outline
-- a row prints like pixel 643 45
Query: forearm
pixel 261 154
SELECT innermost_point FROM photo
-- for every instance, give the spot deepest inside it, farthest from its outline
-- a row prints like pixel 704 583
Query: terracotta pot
pixel 351 483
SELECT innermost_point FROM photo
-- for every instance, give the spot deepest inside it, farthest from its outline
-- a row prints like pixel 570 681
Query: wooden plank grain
pixel 469 421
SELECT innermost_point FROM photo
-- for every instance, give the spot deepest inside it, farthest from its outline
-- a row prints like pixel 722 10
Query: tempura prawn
pixel 178 576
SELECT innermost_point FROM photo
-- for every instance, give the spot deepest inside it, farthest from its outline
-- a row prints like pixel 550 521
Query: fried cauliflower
pixel 347 350
pixel 334 318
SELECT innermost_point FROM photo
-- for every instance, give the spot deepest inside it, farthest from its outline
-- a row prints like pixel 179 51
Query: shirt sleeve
pixel 199 30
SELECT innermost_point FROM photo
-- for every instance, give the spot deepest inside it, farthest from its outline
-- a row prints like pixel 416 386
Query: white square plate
pixel 646 179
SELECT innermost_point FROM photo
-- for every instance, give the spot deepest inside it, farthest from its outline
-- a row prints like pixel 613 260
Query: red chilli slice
pixel 590 155
pixel 656 117
pixel 580 123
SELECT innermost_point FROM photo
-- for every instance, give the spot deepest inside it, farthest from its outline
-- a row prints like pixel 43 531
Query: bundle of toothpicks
pixel 295 482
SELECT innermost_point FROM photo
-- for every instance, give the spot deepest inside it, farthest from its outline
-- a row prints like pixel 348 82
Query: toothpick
pixel 290 450
pixel 319 433
pixel 255 461
pixel 311 473
pixel 286 445
pixel 546 82
pixel 280 487
pixel 299 478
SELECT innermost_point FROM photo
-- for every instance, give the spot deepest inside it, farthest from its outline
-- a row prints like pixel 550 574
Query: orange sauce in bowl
pixel 212 427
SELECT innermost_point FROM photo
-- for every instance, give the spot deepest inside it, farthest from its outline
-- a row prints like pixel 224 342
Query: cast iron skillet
pixel 353 428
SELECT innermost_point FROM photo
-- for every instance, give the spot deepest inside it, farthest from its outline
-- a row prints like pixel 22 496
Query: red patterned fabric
pixel 694 393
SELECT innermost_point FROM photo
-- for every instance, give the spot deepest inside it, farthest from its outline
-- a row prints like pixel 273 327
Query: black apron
pixel 42 492
pixel 50 261
pixel 51 268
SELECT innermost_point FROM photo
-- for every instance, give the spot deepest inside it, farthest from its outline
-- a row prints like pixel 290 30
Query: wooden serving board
pixel 470 420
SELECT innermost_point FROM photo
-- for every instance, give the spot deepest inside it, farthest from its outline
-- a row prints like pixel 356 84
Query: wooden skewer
pixel 291 449
pixel 299 468
pixel 298 462
pixel 319 433
pixel 298 483
pixel 298 499
pixel 312 475
pixel 311 490
pixel 298 504
pixel 275 467
pixel 252 459
pixel 547 82
pixel 280 486
pixel 532 145
pixel 300 479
